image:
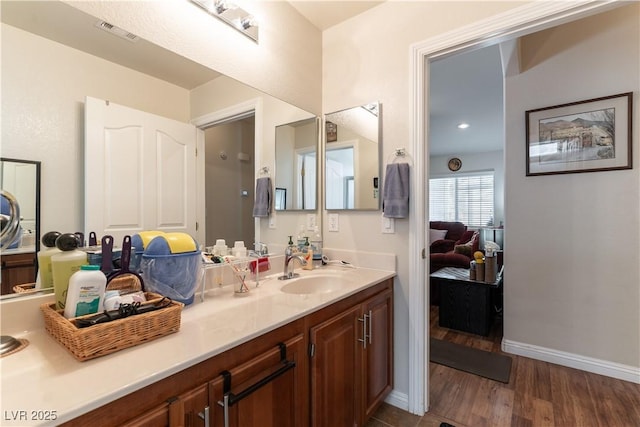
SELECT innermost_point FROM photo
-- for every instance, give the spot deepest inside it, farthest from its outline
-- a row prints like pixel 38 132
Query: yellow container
pixel 63 265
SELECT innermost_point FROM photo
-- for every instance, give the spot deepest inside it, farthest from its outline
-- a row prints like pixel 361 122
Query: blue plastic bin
pixel 170 266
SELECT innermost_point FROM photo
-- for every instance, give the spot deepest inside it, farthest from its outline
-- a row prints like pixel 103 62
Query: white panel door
pixel 140 171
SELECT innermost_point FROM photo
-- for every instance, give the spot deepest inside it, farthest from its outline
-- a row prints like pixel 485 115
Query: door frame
pixel 520 21
pixel 228 114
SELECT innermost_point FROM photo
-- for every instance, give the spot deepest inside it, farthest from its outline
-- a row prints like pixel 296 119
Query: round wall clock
pixel 455 164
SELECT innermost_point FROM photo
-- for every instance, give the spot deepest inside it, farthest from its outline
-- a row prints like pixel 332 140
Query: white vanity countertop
pixel 46 377
pixel 20 250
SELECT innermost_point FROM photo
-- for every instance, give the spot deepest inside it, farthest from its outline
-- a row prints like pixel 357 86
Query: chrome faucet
pixel 289 256
pixel 288 271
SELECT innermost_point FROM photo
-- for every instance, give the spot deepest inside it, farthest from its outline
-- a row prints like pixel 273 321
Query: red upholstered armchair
pixel 454 232
pixel 454 249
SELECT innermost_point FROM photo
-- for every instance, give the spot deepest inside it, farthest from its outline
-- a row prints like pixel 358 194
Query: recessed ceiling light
pixel 463 125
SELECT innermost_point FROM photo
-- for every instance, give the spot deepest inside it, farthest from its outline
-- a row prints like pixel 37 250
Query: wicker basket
pixel 27 288
pixel 105 338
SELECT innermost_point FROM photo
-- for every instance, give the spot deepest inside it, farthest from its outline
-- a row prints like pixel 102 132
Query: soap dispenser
pixel 289 250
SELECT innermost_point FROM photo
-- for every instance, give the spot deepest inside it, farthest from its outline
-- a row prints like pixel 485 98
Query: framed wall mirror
pixel 352 158
pixel 296 179
pixel 50 69
pixel 20 181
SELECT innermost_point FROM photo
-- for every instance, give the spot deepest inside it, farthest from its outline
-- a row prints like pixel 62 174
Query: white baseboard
pixel 571 360
pixel 399 400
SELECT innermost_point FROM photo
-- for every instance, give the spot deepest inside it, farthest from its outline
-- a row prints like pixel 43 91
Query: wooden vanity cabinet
pixel 351 360
pixel 17 269
pixel 343 369
pixel 180 399
pixel 182 410
pixel 275 382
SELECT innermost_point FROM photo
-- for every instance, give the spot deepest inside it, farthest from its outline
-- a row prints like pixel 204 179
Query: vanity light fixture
pixel 463 125
pixel 232 15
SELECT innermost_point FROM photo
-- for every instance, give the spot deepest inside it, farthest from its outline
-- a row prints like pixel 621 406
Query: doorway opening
pixel 229 158
pixel 523 20
pixel 466 192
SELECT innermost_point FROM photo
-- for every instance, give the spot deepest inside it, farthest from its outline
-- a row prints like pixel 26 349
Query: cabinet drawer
pixel 268 394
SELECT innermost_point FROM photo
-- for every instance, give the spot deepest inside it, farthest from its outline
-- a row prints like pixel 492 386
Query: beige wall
pixel 367 58
pixel 573 275
pixel 44 85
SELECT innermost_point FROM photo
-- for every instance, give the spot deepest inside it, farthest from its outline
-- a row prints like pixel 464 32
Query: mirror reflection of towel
pixel 395 195
pixel 262 205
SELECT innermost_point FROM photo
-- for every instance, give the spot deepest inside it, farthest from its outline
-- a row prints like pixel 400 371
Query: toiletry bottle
pixel 45 276
pixel 290 248
pixel 86 292
pixel 316 244
pixel 64 264
pixel 239 250
pixel 308 255
pixel 302 234
pixel 220 248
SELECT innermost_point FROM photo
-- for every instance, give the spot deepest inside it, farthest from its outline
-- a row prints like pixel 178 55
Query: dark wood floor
pixel 538 394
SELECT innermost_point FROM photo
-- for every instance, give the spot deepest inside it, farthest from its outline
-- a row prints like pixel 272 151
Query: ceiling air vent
pixel 116 31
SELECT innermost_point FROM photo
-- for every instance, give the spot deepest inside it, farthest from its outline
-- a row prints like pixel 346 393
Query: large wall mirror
pixel 352 158
pixel 55 55
pixel 296 181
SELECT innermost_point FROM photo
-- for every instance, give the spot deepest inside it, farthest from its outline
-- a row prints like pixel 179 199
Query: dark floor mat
pixel 494 366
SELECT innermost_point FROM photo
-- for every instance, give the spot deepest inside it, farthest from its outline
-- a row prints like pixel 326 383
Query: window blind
pixel 466 198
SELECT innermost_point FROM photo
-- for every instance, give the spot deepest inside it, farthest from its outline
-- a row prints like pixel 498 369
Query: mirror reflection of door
pixel 306 177
pixel 296 163
pixel 340 169
pixel 229 181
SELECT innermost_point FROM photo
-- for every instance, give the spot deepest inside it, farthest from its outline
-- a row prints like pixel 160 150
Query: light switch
pixel 311 221
pixel 388 225
pixel 334 222
pixel 272 221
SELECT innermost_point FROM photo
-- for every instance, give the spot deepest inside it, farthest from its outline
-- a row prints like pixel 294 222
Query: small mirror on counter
pixel 20 181
pixel 296 180
pixel 352 167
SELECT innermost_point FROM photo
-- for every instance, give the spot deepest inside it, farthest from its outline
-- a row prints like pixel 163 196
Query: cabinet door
pixel 271 399
pixel 378 371
pixel 194 406
pixel 335 362
pixel 156 417
pixel 17 269
pixel 181 411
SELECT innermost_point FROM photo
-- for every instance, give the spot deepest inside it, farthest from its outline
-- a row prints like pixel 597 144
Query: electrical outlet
pixel 272 221
pixel 334 222
pixel 311 221
pixel 388 225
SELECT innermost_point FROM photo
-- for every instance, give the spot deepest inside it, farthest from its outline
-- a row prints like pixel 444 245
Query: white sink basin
pixel 316 284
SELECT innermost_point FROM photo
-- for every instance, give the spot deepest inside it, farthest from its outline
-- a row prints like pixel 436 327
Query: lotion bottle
pixel 64 264
pixel 45 275
pixel 86 292
pixel 308 255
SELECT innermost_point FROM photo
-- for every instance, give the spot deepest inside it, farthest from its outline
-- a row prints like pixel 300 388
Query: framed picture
pixel 281 199
pixel 332 131
pixel 585 136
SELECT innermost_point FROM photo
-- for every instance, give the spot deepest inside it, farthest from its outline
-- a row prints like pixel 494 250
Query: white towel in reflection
pixel 395 195
pixel 262 205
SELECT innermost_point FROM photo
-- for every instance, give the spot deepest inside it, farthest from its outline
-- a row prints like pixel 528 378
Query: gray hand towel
pixel 262 205
pixel 395 195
